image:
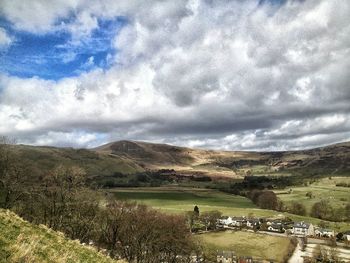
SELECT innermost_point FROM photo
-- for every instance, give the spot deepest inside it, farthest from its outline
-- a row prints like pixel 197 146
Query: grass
pixel 40 160
pixel 323 189
pixel 178 200
pixel 181 199
pixel 248 244
pixel 21 241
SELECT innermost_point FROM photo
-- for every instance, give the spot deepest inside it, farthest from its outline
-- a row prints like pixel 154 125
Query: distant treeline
pixel 259 183
pixel 343 184
pixel 148 178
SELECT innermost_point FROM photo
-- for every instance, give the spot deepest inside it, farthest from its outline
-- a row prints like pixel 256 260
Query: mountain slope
pixel 21 241
pixel 39 160
pixel 150 152
pixel 330 159
pixel 130 157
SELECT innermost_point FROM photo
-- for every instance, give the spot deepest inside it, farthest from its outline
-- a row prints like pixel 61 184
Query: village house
pixel 226 257
pixel 322 232
pixel 225 221
pixel 239 221
pixel 346 235
pixel 232 221
pixel 276 227
pixel 253 223
pixel 245 260
pixel 278 224
pixel 303 229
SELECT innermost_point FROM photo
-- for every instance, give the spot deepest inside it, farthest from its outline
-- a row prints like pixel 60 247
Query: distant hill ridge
pixel 335 155
pixel 130 157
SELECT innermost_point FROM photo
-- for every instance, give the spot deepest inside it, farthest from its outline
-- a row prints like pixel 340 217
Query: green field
pixel 248 244
pixel 323 189
pixel 179 200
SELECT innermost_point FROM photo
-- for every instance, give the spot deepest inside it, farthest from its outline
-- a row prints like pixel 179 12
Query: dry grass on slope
pixel 21 241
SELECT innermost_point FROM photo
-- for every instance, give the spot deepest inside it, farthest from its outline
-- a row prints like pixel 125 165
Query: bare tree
pixel 139 234
pixel 322 210
pixel 268 200
pixel 12 175
pixel 209 219
pixel 298 208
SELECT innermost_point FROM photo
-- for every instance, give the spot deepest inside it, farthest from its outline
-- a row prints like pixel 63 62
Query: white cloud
pixel 38 16
pixel 5 39
pixel 230 75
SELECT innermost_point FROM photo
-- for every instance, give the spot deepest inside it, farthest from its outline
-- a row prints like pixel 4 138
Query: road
pixel 342 252
pixel 297 255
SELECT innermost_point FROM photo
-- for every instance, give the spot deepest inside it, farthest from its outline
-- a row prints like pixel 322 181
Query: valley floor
pixel 172 199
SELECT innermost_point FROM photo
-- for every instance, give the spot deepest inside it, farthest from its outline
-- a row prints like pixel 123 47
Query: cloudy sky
pixel 233 75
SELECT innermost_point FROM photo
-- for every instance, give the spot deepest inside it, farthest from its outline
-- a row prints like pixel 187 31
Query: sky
pixel 227 75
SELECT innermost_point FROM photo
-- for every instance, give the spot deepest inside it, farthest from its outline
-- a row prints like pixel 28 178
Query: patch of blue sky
pixel 54 55
pixel 273 2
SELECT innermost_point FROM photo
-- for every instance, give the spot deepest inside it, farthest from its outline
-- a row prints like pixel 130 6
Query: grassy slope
pixel 41 159
pixel 129 157
pixel 323 189
pixel 21 241
pixel 179 200
pixel 248 244
pixel 330 159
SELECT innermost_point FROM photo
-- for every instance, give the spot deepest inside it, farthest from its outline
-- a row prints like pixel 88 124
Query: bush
pixel 322 210
pixel 265 199
pixel 297 208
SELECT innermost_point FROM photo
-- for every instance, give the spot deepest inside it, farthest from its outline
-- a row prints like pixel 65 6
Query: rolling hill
pixel 330 159
pixel 38 160
pixel 131 157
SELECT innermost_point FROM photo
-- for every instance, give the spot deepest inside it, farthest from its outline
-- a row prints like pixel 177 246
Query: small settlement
pixel 283 226
pixel 300 229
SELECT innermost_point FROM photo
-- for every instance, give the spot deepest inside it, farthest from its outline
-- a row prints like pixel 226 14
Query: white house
pixel 232 221
pixel 347 235
pixel 322 232
pixel 238 221
pixel 225 221
pixel 254 222
pixel 303 229
pixel 276 227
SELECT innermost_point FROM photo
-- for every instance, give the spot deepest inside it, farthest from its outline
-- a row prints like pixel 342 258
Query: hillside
pixel 21 241
pixel 331 159
pixel 39 160
pixel 130 157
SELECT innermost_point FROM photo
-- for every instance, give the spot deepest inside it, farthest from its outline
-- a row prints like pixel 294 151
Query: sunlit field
pixel 179 200
pixel 248 244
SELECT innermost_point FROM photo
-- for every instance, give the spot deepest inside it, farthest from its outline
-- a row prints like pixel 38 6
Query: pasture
pixel 178 200
pixel 181 199
pixel 324 188
pixel 248 244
